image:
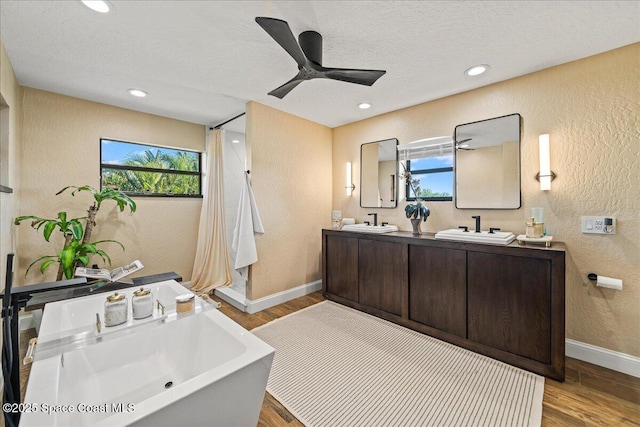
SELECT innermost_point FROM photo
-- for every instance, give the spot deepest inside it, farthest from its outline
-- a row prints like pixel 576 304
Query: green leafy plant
pixel 71 255
pixel 415 210
pixel 77 247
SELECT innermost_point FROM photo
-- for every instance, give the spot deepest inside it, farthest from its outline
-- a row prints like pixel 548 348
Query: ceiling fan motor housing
pixel 311 44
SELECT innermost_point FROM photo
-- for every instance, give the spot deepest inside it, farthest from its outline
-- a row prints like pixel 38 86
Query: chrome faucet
pixel 375 218
pixel 477 218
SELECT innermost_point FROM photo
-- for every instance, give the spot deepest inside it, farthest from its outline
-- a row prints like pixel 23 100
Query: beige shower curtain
pixel 211 268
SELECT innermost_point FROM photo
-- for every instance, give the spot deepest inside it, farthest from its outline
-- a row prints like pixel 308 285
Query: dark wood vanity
pixel 506 302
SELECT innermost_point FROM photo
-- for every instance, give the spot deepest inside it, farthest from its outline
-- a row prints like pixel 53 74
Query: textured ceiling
pixel 201 61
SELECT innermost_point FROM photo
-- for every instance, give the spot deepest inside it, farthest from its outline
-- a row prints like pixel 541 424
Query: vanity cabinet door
pixel 509 302
pixel 342 267
pixel 438 288
pixel 382 275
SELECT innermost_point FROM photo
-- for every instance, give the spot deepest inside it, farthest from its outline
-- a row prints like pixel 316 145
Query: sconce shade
pixel 545 174
pixel 349 186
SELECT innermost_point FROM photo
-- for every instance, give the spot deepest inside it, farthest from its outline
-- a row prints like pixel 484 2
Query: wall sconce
pixel 545 176
pixel 350 186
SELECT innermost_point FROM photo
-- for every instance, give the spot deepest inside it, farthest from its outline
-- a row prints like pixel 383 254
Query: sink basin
pixel 495 238
pixel 376 229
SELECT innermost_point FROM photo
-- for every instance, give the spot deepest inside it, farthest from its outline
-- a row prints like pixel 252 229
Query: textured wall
pixel 290 163
pixel 590 108
pixel 9 205
pixel 61 146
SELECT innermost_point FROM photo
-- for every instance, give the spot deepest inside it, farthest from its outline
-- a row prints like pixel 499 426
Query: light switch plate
pixel 599 224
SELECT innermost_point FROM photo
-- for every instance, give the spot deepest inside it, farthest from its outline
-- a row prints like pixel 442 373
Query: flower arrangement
pixel 415 210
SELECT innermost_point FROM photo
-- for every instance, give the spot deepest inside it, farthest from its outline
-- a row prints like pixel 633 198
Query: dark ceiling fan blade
pixel 361 77
pixel 283 90
pixel 281 33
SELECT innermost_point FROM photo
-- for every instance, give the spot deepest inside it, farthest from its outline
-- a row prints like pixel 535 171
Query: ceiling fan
pixel 307 52
pixel 460 145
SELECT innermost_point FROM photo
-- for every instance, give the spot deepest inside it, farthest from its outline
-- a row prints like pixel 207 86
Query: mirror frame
pixel 455 133
pixel 395 190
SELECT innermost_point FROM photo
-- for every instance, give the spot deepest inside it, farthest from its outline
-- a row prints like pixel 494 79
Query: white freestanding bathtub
pixel 198 369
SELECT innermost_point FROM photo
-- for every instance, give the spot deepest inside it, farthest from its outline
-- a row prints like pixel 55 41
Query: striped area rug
pixel 335 366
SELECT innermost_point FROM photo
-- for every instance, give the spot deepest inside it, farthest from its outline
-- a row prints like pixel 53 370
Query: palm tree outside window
pixel 149 170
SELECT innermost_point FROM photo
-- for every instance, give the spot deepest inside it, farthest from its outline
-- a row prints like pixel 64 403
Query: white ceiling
pixel 201 61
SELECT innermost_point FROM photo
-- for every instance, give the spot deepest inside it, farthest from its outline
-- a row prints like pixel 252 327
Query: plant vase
pixel 415 223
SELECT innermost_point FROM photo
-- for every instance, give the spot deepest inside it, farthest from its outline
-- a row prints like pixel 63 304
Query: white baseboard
pixel 621 362
pixel 236 299
pixel 280 297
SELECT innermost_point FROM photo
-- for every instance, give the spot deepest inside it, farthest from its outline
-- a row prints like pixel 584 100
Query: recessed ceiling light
pixel 235 141
pixel 137 92
pixel 364 105
pixel 476 70
pixel 97 5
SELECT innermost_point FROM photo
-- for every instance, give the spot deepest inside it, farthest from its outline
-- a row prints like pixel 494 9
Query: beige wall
pixel 590 109
pixel 9 205
pixel 60 146
pixel 290 163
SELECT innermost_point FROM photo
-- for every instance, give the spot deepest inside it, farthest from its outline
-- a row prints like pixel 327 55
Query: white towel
pixel 247 224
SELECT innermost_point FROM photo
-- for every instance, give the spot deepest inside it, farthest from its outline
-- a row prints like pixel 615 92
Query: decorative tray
pixel 546 240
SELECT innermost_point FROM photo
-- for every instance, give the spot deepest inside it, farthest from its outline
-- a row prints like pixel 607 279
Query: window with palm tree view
pixel 434 176
pixel 148 170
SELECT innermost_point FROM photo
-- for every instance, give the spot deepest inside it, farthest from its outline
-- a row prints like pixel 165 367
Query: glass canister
pixel 336 220
pixel 185 303
pixel 142 303
pixel 115 310
pixel 535 229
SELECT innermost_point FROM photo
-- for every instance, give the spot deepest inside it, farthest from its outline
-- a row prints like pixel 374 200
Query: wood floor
pixel 590 395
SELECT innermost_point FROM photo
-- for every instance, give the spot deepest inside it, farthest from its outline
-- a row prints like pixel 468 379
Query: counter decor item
pixel 115 309
pixel 185 303
pixel 142 303
pixel 336 220
pixel 535 229
pixel 416 212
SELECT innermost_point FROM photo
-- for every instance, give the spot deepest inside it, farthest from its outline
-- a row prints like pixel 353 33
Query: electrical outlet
pixel 599 224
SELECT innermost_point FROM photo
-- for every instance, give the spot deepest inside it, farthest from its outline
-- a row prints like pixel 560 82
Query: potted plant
pixel 77 247
pixel 416 212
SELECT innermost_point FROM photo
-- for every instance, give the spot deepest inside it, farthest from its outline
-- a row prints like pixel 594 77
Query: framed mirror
pixel 487 163
pixel 379 174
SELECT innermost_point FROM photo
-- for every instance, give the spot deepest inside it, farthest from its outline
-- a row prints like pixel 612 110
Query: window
pixel 148 170
pixel 435 175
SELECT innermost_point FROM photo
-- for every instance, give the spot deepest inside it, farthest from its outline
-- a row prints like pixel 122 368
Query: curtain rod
pixel 224 123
